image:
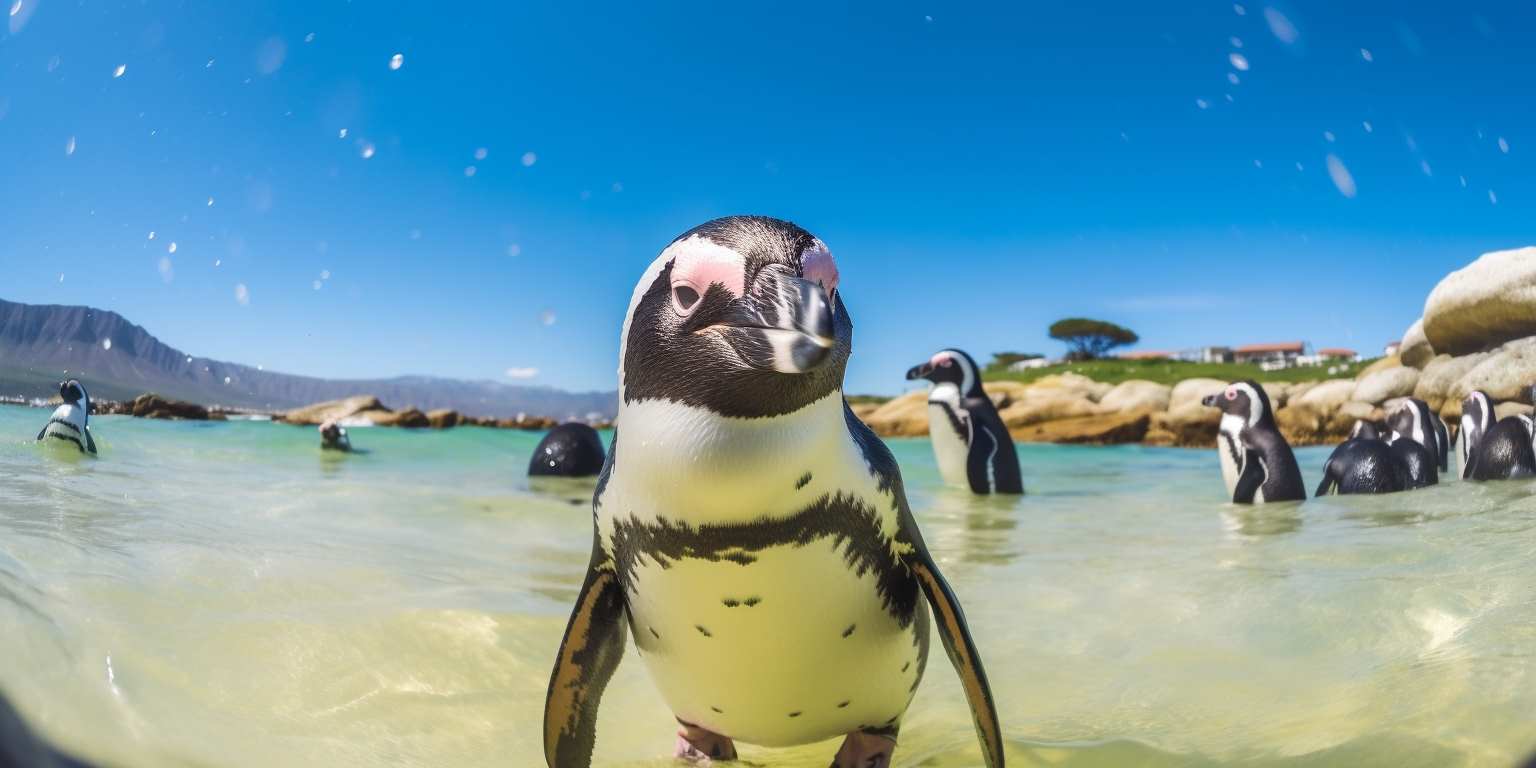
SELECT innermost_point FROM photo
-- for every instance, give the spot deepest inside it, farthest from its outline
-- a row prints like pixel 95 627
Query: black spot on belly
pixel 716 710
pixel 752 601
pixel 794 714
pixel 730 602
pixel 804 480
pixel 843 705
pixel 653 633
pixel 849 631
pixel 906 666
pixel 702 630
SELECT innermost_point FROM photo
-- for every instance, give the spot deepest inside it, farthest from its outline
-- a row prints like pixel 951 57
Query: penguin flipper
pixel 589 653
pixel 90 442
pixel 950 620
pixel 1249 481
pixel 42 432
pixel 978 461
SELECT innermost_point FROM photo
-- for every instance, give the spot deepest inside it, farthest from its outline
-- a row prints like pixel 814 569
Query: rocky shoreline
pixel 355 410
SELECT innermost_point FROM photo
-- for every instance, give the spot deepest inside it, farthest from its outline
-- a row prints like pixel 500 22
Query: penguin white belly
pixel 949 447
pixel 1229 448
pixel 792 648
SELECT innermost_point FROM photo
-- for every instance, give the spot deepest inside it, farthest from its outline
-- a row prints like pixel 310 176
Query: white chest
pixel 1229 446
pixel 951 448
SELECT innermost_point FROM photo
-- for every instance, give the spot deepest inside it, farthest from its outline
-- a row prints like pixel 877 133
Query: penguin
pixel 333 437
pixel 71 421
pixel 1363 465
pixel 1502 451
pixel 569 450
pixel 750 533
pixel 969 439
pixel 1256 461
pixel 1412 418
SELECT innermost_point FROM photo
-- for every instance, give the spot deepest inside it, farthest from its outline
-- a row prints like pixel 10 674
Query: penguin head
pixel 1410 417
pixel 331 432
pixel 73 393
pixel 949 366
pixel 740 315
pixel 1476 413
pixel 1245 400
pixel 1364 430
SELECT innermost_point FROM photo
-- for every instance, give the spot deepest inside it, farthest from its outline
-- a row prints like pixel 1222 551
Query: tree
pixel 1001 360
pixel 1091 339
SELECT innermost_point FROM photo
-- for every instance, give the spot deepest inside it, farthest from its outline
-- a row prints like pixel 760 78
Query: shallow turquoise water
pixel 225 595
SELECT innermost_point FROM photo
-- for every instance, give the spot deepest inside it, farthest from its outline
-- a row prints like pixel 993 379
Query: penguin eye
pixel 1232 394
pixel 685 298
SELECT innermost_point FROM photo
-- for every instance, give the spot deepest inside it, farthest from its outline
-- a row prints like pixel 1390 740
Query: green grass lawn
pixel 1114 371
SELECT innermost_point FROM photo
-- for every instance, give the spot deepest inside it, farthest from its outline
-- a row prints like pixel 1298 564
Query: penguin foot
pixel 703 747
pixel 865 750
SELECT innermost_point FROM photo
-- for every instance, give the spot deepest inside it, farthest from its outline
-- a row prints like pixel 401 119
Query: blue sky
pixel 978 170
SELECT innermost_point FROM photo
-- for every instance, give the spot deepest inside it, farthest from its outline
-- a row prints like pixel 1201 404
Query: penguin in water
pixel 1368 464
pixel 1256 461
pixel 1412 418
pixel 569 450
pixel 71 421
pixel 969 439
pixel 333 437
pixel 750 532
pixel 1500 450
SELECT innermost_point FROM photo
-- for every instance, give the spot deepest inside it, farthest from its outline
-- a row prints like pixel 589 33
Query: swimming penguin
pixel 1363 465
pixel 1500 451
pixel 969 439
pixel 71 421
pixel 333 437
pixel 1256 461
pixel 751 533
pixel 569 450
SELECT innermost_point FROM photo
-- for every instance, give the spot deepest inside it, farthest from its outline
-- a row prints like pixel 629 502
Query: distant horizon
pixel 348 193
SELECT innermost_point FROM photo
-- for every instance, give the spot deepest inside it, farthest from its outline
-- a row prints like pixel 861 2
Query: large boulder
pixel 444 418
pixel 410 417
pixel 1193 390
pixel 1304 424
pixel 1484 304
pixel 1074 383
pixel 1415 349
pixel 1384 385
pixel 1048 405
pixel 1507 374
pixel 1136 395
pixel 358 407
pixel 1385 363
pixel 1327 396
pixel 153 406
pixel 1343 420
pixel 1279 393
pixel 1191 425
pixel 906 416
pixel 1438 380
pixel 1104 429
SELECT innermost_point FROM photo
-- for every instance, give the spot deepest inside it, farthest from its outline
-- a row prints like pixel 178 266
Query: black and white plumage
pixel 750 533
pixel 1413 419
pixel 70 422
pixel 572 449
pixel 1256 461
pixel 969 439
pixel 1494 450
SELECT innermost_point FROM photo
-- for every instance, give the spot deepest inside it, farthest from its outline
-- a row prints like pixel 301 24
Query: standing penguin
pixel 71 421
pixel 750 532
pixel 969 439
pixel 1502 451
pixel 1256 461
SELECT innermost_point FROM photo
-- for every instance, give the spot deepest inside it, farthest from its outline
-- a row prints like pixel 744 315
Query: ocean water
pixel 223 594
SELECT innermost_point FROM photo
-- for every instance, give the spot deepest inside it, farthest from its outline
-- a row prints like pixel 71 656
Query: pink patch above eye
pixel 941 359
pixel 1232 394
pixel 700 263
pixel 817 264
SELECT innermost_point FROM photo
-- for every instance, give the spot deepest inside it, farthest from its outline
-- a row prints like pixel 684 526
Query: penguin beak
pixel 919 371
pixel 790 329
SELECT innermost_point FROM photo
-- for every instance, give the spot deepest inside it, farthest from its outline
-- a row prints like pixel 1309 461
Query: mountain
pixel 117 360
